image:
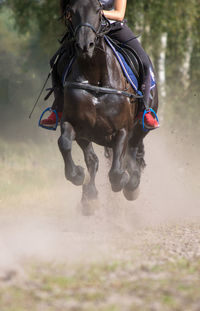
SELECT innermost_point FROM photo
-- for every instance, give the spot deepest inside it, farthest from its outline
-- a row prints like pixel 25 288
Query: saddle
pixel 131 64
pixel 131 58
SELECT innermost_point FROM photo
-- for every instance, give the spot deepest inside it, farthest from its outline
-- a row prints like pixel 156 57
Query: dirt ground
pixel 142 255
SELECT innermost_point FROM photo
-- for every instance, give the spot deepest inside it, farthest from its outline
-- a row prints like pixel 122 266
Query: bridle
pixel 85 25
pixel 103 29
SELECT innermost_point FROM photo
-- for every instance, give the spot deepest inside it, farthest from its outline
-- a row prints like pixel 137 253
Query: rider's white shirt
pixel 108 5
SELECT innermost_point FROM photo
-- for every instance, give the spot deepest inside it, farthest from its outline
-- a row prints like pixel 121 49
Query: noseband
pixel 85 25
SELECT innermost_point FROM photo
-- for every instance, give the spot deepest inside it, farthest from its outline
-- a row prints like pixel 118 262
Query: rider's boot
pixel 57 106
pixel 51 121
pixel 150 122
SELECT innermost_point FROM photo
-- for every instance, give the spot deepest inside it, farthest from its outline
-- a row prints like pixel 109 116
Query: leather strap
pixel 98 89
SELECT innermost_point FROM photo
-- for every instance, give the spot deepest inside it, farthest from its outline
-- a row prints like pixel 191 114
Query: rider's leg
pixel 58 101
pixel 57 87
pixel 125 35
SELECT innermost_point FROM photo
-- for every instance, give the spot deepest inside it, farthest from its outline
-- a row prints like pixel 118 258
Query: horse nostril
pixel 91 45
pixel 77 45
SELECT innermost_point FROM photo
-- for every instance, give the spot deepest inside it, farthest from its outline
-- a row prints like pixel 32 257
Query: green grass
pixel 26 168
pixel 90 287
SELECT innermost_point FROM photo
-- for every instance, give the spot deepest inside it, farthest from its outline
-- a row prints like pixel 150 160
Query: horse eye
pixel 69 12
pixel 68 15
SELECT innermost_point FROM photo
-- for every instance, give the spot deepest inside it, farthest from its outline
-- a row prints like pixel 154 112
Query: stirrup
pixel 49 127
pixel 144 113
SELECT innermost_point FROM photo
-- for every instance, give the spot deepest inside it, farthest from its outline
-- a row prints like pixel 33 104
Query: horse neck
pixel 95 69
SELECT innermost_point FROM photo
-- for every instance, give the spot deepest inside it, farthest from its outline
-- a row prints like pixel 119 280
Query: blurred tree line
pixel 169 31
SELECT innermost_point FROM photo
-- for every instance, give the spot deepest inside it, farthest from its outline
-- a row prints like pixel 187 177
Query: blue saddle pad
pixel 127 69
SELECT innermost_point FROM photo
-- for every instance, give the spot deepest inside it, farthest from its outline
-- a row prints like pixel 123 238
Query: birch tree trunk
pixel 162 75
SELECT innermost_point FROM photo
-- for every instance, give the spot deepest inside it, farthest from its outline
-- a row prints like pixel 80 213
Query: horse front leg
pixel 89 189
pixel 73 173
pixel 117 175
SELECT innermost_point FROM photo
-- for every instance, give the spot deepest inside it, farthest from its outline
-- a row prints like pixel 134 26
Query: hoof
pixel 131 190
pixel 89 192
pixel 131 195
pixel 77 177
pixel 134 181
pixel 88 208
pixel 118 185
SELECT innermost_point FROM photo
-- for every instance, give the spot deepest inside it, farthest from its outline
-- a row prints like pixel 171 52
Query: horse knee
pixel 64 143
pixel 66 138
pixel 73 173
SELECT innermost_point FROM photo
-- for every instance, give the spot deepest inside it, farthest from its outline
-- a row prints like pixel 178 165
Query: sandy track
pixel 128 256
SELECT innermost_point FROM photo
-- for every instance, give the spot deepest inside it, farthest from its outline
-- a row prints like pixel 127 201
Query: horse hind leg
pixel 117 175
pixel 89 189
pixel 135 165
pixel 73 173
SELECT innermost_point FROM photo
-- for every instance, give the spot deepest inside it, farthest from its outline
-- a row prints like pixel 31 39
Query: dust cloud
pixel 50 226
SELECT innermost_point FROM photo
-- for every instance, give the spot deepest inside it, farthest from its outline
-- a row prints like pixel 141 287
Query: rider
pixel 114 10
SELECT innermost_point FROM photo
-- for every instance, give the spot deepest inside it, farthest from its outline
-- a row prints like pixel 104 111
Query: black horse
pixel 100 107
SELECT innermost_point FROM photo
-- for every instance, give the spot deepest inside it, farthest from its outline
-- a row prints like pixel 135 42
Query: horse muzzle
pixel 85 50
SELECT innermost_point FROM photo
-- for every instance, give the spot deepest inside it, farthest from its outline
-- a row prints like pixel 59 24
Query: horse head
pixel 85 22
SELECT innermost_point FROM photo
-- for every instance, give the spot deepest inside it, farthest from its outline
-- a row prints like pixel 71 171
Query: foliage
pixel 42 16
pixel 20 78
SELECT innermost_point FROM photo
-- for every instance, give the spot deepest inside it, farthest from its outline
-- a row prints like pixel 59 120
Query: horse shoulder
pixel 115 74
